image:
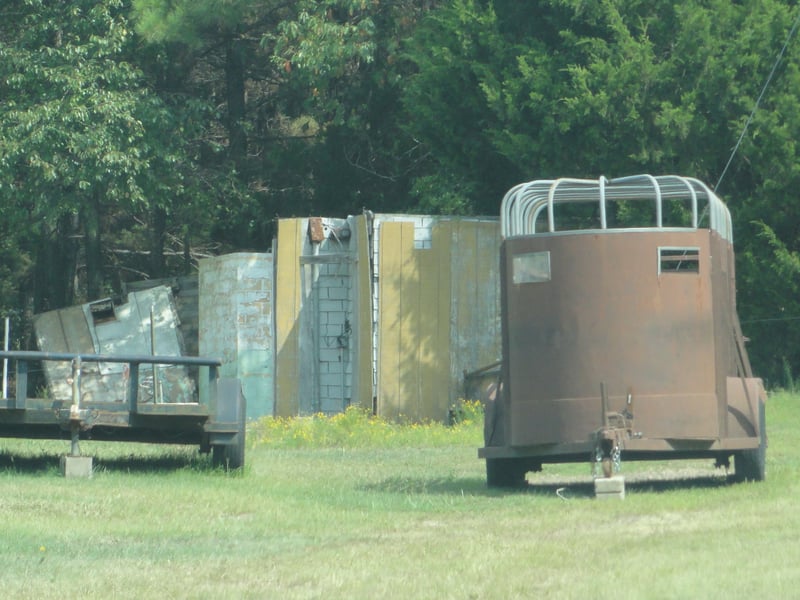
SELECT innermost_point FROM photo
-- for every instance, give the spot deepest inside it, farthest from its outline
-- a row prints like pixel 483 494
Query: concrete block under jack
pixel 76 466
pixel 609 487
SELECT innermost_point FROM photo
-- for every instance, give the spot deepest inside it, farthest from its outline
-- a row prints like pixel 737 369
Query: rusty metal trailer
pixel 620 336
pixel 216 423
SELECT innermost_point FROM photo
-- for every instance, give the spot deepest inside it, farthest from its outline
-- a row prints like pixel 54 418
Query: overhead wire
pixel 778 60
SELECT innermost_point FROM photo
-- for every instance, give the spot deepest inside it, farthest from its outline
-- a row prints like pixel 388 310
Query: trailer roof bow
pixel 633 202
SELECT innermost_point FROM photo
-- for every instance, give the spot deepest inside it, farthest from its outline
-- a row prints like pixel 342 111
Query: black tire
pixel 230 456
pixel 751 465
pixel 506 472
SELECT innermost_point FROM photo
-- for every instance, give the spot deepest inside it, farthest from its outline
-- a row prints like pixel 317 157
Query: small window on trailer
pixel 532 267
pixel 678 260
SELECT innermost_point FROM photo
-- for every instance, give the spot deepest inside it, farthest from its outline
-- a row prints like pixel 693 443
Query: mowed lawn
pixel 354 508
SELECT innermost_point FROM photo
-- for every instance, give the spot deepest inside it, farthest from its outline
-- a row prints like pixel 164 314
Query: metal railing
pixel 134 361
pixel 524 205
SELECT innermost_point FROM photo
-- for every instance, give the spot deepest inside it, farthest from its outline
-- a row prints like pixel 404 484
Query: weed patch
pixel 358 428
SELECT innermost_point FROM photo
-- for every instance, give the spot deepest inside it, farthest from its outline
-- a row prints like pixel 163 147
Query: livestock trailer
pixel 620 337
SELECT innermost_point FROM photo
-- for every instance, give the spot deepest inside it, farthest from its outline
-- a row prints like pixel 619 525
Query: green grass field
pixel 351 507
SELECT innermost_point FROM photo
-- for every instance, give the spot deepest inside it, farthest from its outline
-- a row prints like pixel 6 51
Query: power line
pixel 770 320
pixel 789 37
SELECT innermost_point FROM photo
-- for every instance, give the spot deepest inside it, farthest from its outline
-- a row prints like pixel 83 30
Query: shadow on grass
pixel 154 464
pixel 472 486
pixel 49 462
pixel 584 488
pixel 566 488
pixel 16 463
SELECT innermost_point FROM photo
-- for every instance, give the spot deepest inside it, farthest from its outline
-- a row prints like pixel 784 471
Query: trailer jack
pixel 607 452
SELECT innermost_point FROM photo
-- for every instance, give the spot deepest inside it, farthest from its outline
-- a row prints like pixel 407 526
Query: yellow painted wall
pixel 287 311
pixel 362 367
pixel 414 324
pixel 438 315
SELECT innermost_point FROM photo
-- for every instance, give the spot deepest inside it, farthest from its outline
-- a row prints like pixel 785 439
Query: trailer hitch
pixel 610 438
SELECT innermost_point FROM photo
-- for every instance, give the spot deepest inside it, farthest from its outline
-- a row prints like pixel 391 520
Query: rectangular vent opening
pixel 678 260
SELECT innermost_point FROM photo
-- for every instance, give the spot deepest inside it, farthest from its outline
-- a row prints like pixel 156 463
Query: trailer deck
pixel 214 420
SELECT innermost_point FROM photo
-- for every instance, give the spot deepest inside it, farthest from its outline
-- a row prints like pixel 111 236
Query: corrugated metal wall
pixel 147 323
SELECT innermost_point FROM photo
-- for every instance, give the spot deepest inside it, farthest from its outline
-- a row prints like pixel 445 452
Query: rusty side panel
pixel 609 315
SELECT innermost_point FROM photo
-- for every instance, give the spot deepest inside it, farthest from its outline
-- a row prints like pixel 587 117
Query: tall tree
pixel 301 98
pixel 361 156
pixel 506 91
pixel 82 140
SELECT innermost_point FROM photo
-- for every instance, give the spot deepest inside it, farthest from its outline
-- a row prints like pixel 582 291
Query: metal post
pixel 74 410
pixel 156 398
pixel 133 387
pixel 5 360
pixel 604 403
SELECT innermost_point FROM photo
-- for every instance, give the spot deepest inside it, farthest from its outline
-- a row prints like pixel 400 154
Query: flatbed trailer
pixel 216 424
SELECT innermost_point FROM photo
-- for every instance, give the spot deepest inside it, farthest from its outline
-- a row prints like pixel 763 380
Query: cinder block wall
pixel 335 328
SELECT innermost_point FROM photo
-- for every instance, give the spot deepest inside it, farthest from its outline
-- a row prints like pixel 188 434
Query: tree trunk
pixel 187 252
pixel 234 78
pixel 56 264
pixel 158 236
pixel 90 215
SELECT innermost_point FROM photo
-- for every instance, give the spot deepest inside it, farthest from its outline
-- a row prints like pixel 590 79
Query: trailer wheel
pixel 229 456
pixel 506 472
pixel 750 465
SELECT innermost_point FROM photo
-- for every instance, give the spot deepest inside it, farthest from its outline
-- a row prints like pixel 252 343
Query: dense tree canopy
pixel 137 135
pixel 574 88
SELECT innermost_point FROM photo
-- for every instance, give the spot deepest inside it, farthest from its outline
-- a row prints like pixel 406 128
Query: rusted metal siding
pixel 146 324
pixel 608 316
pixel 185 294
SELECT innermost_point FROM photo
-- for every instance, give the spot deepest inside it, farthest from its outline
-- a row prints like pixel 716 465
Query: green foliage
pixel 194 123
pixel 583 89
pixel 77 118
pixel 770 284
pixel 81 135
pixel 466 413
pixel 458 51
pixel 789 383
pixel 194 22
pixel 504 92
